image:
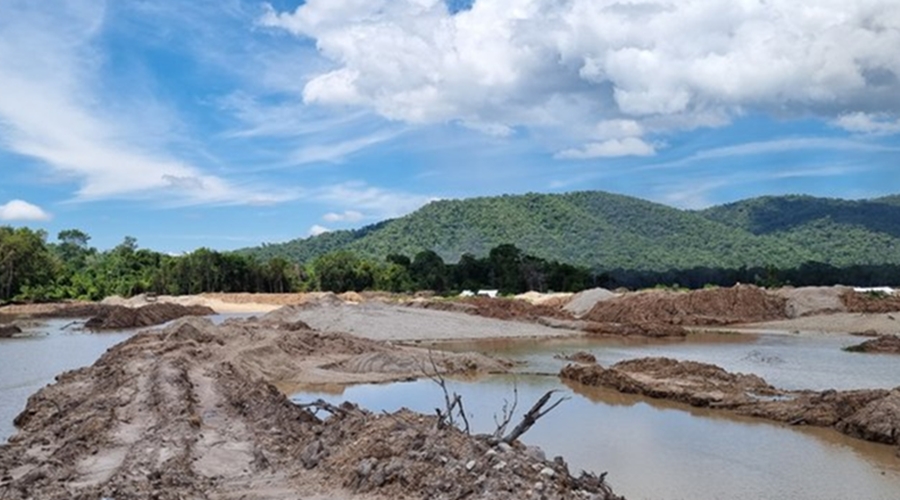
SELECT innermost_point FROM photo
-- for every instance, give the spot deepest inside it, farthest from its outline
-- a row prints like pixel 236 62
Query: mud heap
pixel 504 309
pixel 120 317
pixel 717 306
pixel 191 412
pixel 858 302
pixel 7 331
pixel 884 344
pixel 873 415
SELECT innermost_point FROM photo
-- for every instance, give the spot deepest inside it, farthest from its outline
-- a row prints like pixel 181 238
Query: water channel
pixel 651 449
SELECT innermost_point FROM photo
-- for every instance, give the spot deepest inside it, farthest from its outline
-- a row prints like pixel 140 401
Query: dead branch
pixel 451 403
pixel 508 413
pixel 322 405
pixel 532 416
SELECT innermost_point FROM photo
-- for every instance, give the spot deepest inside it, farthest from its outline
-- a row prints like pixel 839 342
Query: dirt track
pixel 192 412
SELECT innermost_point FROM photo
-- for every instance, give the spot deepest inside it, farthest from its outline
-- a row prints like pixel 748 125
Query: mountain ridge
pixel 612 231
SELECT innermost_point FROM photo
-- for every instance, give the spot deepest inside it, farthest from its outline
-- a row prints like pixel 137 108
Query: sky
pixel 229 123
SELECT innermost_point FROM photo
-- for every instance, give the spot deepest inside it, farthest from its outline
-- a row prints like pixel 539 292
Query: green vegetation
pixel 609 232
pixel 564 242
pixel 33 270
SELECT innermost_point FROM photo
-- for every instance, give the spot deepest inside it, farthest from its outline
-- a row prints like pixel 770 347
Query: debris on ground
pixel 503 309
pixel 884 344
pixel 707 307
pixel 870 414
pixel 190 411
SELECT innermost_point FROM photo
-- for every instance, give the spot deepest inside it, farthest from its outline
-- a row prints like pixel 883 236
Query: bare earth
pixel 881 324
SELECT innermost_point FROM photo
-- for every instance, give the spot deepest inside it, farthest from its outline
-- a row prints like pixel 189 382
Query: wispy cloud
pixel 55 108
pixel 774 146
pixel 371 201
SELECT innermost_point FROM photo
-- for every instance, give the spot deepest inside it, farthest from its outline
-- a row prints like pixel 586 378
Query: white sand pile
pixel 583 302
pixel 811 300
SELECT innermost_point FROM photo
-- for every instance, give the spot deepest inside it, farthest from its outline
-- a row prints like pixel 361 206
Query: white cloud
pixel 380 203
pixel 629 146
pixel 346 216
pixel 316 230
pixel 55 107
pixel 868 123
pixel 19 210
pixel 637 68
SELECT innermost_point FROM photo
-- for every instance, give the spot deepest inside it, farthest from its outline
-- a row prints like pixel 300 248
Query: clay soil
pixel 884 344
pixel 192 411
pixel 873 415
pixel 717 306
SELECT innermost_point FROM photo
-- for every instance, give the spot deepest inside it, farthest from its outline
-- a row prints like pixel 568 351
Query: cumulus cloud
pixel 346 216
pixel 316 230
pixel 19 210
pixel 869 123
pixel 603 70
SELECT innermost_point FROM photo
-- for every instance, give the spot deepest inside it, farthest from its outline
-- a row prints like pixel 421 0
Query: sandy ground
pixel 378 321
pixel 882 324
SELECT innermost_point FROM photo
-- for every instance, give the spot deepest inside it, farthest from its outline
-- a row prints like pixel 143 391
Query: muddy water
pixel 32 361
pixel 791 362
pixel 658 450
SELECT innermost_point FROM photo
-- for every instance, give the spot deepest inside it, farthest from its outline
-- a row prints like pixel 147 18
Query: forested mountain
pixel 608 231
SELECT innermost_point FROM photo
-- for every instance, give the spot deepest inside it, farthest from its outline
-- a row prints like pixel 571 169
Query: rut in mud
pixel 870 414
pixel 191 412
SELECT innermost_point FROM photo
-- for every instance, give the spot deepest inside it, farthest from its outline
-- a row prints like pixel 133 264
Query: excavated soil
pixel 504 309
pixel 857 302
pixel 191 412
pixel 708 307
pixel 873 415
pixel 120 318
pixel 885 344
pixel 653 330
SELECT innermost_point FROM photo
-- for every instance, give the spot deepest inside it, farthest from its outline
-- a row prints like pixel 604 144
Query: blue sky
pixel 230 123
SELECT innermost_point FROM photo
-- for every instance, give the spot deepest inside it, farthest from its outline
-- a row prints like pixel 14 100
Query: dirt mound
pixel 863 302
pixel 582 302
pixel 504 309
pixel 578 357
pixel 717 306
pixel 697 384
pixel 654 330
pixel 807 301
pixel 7 331
pixel 420 363
pixel 288 312
pixel 121 317
pixel 873 415
pixel 886 344
pixel 545 299
pixel 191 412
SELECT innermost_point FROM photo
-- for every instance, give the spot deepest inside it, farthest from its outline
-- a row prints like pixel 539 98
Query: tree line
pixel 33 269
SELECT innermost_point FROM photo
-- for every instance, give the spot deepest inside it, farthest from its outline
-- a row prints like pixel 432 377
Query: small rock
pixel 470 465
pixel 490 453
pixel 538 486
pixel 500 465
pixel 548 472
pixel 505 447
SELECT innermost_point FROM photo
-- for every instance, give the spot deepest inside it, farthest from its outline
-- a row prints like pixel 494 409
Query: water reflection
pixel 790 362
pixel 662 450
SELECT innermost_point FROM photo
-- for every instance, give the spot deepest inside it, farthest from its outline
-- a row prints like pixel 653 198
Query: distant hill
pixel 609 231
